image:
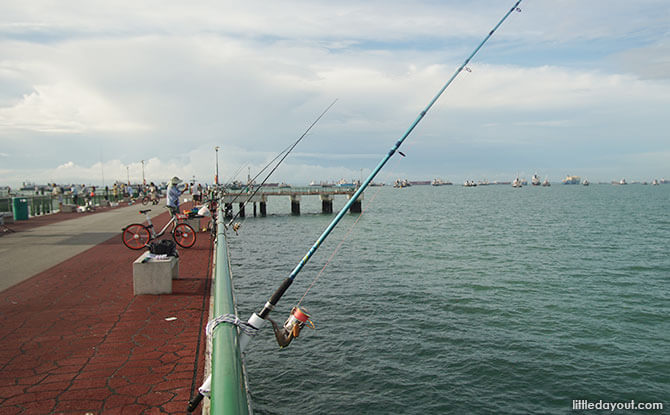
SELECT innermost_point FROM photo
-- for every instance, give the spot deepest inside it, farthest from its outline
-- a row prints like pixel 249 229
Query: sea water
pixel 462 300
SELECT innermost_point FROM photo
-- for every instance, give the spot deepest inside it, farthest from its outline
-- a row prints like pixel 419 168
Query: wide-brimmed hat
pixel 175 180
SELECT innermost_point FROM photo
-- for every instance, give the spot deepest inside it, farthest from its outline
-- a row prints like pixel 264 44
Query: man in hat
pixel 173 193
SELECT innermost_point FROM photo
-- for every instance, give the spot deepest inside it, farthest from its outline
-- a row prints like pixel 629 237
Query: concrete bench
pixel 154 276
pixel 194 223
pixel 68 208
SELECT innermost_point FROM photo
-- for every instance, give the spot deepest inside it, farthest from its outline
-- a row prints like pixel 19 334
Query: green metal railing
pixel 44 205
pixel 228 392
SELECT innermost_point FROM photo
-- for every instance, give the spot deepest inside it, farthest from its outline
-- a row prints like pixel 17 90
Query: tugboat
pixel 546 183
pixel 470 183
pixel 535 180
pixel 585 182
pixel 399 184
pixel 517 183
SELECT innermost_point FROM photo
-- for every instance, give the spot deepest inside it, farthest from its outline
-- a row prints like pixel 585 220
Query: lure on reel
pixel 295 322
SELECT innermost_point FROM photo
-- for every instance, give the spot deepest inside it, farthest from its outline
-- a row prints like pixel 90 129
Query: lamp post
pixel 128 173
pixel 144 181
pixel 216 178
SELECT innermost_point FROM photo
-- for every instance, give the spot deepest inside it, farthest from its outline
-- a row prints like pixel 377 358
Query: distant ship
pixel 546 183
pixel 585 182
pixel 535 180
pixel 344 183
pixel 483 182
pixel 622 181
pixel 572 180
pixel 439 182
pixel 321 184
pixel 470 183
pixel 401 183
pixel 517 183
pixel 655 182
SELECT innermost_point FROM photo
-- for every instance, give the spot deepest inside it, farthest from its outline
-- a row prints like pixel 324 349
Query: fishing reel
pixel 295 322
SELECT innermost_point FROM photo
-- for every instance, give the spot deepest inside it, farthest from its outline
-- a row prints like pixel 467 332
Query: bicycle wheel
pixel 184 235
pixel 145 200
pixel 136 236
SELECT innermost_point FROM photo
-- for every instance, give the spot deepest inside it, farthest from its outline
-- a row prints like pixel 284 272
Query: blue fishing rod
pixel 298 318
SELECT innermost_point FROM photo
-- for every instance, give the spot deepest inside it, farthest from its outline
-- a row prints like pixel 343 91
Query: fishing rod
pixel 204 389
pixel 298 318
pixel 285 153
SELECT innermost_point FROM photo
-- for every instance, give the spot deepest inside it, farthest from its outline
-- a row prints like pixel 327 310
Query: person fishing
pixel 153 193
pixel 173 193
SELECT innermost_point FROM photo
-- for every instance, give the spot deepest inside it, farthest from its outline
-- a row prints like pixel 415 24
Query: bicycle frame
pixel 150 225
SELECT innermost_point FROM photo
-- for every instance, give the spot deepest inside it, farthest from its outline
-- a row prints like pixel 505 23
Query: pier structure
pixel 295 194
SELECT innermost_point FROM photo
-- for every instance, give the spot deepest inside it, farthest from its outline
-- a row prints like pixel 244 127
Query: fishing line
pixel 286 152
pixel 344 239
pixel 235 175
pixel 205 296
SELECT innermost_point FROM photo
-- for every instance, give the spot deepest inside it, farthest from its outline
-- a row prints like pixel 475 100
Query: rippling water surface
pixel 465 300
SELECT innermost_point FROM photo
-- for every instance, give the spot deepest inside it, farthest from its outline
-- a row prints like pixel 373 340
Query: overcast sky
pixel 88 89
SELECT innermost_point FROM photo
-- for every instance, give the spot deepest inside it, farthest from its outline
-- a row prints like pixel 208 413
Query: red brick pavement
pixel 74 339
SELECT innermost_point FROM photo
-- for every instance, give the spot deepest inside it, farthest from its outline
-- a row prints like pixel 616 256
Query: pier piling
pixel 295 204
pixel 326 203
pixel 357 205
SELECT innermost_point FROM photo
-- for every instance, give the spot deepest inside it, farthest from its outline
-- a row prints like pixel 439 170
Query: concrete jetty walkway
pixel 24 254
pixel 74 339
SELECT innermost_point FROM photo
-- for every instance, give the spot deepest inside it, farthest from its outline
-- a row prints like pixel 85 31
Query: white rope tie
pixel 244 327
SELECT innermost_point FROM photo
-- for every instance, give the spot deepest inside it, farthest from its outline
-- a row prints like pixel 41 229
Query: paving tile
pixel 79 405
pixel 118 401
pixel 156 398
pixel 43 406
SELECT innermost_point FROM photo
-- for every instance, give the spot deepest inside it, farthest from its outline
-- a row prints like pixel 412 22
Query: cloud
pixel 649 62
pixel 167 81
pixel 65 108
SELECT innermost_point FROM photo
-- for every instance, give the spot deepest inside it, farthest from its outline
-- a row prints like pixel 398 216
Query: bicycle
pixel 137 236
pixel 147 199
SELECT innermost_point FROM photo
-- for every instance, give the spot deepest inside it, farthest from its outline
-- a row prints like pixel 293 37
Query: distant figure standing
pixel 173 193
pixel 197 193
pixel 75 194
pixel 153 193
pixel 57 193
